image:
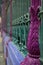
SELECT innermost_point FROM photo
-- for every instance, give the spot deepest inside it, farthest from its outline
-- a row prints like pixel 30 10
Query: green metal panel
pixel 0 6
pixel 41 33
pixel 19 8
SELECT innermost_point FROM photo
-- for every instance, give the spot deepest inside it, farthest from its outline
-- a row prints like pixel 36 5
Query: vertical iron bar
pixel 10 18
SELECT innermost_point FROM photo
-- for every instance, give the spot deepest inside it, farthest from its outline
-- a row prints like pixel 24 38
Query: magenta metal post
pixel 33 35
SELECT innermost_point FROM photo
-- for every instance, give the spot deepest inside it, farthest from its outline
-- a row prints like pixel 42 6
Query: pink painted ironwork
pixel 33 35
pixel 4 14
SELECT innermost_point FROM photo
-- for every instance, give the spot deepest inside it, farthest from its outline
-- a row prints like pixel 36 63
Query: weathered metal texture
pixel 33 35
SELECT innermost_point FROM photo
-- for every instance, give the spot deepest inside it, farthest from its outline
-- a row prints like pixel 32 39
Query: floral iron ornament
pixel 33 35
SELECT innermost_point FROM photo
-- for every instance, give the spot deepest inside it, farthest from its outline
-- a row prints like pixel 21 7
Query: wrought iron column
pixel 33 35
pixel 2 7
pixel 4 14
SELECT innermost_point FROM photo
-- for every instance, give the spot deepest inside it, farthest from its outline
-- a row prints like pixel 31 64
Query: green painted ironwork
pixel 21 22
pixel 41 31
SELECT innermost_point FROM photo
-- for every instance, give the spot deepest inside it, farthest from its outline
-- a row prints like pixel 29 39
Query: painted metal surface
pixel 33 35
pixel 4 15
pixel 10 18
pixel 33 42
